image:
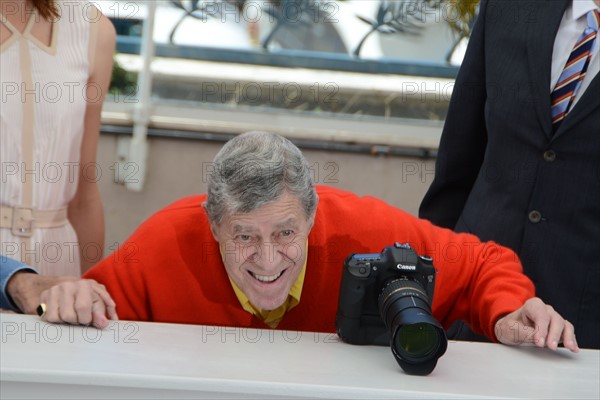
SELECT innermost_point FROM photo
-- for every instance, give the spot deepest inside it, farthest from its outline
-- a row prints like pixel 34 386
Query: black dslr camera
pixel 385 299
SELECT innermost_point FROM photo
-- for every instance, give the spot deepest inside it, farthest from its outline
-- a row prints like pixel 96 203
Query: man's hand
pixel 25 288
pixel 536 323
pixel 79 302
pixel 67 299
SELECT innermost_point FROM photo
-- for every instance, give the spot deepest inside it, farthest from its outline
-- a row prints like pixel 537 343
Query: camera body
pixel 381 294
pixel 358 319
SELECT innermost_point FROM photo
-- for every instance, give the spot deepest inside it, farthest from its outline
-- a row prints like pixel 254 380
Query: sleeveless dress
pixel 43 96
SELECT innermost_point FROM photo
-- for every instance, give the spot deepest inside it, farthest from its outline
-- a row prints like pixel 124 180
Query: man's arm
pixel 10 270
pixel 464 137
pixel 483 284
pixel 67 299
pixel 22 289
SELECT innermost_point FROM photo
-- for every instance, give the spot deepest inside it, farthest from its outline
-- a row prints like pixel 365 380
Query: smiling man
pixel 261 206
pixel 265 248
pixel 263 272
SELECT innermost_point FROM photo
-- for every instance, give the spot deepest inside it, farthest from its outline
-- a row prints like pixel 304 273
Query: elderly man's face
pixel 264 250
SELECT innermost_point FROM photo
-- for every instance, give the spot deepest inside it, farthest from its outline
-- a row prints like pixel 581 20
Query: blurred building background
pixel 361 86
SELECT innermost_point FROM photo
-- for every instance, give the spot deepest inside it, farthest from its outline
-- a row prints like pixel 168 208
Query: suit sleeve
pixel 464 137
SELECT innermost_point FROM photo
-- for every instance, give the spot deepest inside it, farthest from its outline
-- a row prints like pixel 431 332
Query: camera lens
pixel 417 338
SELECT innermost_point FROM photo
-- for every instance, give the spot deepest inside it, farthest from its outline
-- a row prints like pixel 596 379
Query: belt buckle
pixel 22 221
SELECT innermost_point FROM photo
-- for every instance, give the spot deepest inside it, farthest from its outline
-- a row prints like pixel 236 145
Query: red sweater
pixel 170 269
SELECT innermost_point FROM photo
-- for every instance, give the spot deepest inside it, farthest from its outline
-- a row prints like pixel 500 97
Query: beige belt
pixel 23 220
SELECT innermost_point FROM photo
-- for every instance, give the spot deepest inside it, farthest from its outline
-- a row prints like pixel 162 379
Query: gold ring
pixel 41 310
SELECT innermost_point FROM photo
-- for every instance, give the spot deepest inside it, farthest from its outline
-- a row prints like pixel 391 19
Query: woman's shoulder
pixel 79 16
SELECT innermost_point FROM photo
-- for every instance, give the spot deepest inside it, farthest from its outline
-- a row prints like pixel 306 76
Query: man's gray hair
pixel 256 168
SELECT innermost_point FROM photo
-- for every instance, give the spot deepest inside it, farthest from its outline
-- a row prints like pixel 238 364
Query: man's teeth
pixel 263 278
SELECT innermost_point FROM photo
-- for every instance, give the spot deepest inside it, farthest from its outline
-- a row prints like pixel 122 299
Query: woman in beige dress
pixel 55 67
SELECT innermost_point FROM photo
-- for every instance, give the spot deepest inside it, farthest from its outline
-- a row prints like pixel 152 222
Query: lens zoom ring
pixel 401 284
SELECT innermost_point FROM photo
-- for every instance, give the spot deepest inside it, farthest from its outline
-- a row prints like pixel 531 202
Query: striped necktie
pixel 574 71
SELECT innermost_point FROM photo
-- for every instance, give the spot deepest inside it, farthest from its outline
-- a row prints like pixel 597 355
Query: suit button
pixel 549 155
pixel 535 216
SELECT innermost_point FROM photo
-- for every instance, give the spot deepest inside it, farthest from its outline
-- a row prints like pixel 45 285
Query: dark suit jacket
pixel 501 173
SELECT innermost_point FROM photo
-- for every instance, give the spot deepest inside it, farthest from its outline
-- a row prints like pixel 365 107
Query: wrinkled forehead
pixel 241 226
pixel 284 213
